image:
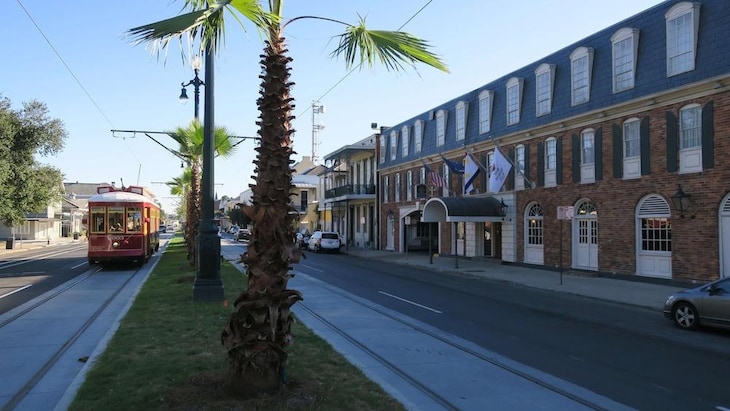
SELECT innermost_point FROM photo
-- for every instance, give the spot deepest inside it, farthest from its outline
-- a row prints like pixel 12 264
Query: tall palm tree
pixel 190 141
pixel 258 329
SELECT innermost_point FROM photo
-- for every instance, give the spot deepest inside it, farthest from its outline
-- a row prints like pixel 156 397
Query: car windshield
pixel 331 236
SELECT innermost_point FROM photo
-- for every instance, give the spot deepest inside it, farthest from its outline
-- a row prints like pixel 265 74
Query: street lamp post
pixel 196 82
pixel 208 285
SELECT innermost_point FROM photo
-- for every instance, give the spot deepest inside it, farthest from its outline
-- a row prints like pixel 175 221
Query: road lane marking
pixel 79 265
pixel 15 291
pixel 721 408
pixel 312 268
pixel 410 302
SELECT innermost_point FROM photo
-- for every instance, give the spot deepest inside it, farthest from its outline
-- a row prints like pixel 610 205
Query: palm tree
pixel 180 186
pixel 258 330
pixel 190 141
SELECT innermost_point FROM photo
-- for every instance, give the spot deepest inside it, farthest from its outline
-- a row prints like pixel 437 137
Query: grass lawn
pixel 167 355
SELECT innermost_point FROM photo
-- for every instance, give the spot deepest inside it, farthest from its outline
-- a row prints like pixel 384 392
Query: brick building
pixel 603 137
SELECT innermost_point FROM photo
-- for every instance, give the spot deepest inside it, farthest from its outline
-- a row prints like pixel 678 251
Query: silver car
pixel 707 305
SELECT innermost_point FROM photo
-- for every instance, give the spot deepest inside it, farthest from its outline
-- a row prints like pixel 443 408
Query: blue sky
pixel 72 55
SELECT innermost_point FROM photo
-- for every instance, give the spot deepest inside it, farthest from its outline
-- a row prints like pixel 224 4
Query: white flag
pixel 471 171
pixel 498 171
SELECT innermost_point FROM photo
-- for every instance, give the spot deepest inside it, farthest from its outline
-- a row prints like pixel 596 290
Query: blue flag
pixel 454 166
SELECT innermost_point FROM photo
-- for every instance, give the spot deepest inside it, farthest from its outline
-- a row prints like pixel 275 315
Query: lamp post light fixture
pixel 196 82
pixel 681 201
pixel 503 208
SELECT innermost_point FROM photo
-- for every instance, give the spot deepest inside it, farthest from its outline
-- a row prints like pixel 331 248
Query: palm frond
pixel 393 49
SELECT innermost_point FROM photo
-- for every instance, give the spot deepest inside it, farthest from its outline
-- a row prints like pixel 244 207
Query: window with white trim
pixel 440 128
pixel 683 23
pixel 624 46
pixel 447 179
pixel 587 156
pixel 534 225
pixel 544 75
pixel 632 149
pixel 386 189
pixel 514 97
pixel 396 195
pixel 393 145
pixel 404 141
pixel 485 111
pixel 409 185
pixel 519 167
pixel 581 62
pixel 422 176
pixel 418 135
pixel 551 161
pixel 461 120
pixel 490 161
pixel 382 149
pixel 690 139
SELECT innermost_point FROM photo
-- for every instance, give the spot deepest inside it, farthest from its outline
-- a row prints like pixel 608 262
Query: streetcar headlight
pixel 115 244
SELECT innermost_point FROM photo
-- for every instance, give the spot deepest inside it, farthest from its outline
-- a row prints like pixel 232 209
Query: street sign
pixel 566 212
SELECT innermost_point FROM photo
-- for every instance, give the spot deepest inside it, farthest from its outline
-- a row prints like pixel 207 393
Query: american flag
pixel 434 177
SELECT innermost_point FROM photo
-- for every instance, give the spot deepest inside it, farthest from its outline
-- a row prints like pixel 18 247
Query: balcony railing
pixel 350 189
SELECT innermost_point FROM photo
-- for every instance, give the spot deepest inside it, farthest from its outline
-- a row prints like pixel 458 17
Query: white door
pixel 725 238
pixel 390 233
pixel 534 252
pixel 585 240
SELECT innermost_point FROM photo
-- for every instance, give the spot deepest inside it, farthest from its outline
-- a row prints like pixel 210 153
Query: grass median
pixel 167 355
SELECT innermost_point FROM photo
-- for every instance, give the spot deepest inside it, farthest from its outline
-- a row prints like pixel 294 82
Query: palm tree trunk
pixel 193 214
pixel 258 329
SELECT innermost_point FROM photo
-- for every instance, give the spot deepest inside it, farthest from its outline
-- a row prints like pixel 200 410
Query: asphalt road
pixel 27 274
pixel 629 354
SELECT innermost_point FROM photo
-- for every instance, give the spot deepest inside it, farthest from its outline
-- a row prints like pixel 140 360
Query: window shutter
pixel 598 153
pixel 644 147
pixel 618 151
pixel 672 143
pixel 485 180
pixel 526 171
pixel 540 164
pixel 576 158
pixel 558 161
pixel 708 136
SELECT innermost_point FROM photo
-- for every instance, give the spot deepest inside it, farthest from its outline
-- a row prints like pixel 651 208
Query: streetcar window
pixel 97 219
pixel 134 219
pixel 116 219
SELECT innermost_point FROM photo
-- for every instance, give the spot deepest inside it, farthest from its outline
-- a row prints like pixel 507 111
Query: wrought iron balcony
pixel 350 189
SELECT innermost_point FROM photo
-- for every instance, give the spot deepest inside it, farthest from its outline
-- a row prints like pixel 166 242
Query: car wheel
pixel 685 316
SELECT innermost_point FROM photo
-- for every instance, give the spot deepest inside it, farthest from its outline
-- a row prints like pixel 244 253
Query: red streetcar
pixel 123 225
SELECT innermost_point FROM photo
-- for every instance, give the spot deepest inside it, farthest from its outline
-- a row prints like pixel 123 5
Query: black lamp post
pixel 208 285
pixel 196 82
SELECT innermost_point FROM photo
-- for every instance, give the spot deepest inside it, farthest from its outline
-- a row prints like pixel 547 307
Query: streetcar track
pixel 48 365
pixel 417 384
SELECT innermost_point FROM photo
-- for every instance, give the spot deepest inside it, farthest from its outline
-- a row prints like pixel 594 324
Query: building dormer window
pixel 404 137
pixel 544 76
pixel 485 111
pixel 581 63
pixel 461 120
pixel 625 46
pixel 683 23
pixel 393 144
pixel 440 127
pixel 382 149
pixel 418 135
pixel 514 98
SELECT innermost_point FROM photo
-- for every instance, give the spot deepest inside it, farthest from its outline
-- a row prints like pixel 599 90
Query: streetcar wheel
pixel 685 316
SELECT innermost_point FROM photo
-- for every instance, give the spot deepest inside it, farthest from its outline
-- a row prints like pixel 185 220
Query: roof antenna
pixel 122 181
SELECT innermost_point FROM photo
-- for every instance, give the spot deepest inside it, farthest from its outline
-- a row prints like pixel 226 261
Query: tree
pixel 27 186
pixel 190 141
pixel 258 329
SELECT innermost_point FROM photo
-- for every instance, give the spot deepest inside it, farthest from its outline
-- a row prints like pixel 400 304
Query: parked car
pixel 233 229
pixel 707 305
pixel 163 228
pixel 243 234
pixel 325 241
